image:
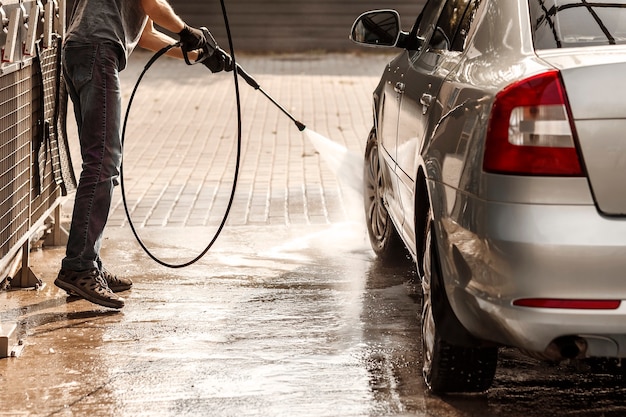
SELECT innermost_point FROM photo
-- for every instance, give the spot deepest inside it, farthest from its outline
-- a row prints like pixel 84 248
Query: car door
pixel 394 95
pixel 420 108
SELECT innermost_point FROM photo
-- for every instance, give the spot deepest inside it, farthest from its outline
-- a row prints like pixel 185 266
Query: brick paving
pixel 180 143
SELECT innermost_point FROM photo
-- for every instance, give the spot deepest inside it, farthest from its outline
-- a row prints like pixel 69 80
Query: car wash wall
pixel 35 168
pixel 289 25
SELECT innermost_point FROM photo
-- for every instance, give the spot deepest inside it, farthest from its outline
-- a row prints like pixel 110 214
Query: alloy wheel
pixel 376 212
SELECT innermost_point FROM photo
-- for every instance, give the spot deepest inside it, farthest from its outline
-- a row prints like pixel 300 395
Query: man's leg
pixel 93 82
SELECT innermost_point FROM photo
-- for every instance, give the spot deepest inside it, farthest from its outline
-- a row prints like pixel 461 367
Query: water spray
pixel 341 162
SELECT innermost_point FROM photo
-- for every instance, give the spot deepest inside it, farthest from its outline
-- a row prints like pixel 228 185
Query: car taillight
pixel 530 131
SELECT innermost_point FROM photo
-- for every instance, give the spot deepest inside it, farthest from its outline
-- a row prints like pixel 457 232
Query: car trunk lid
pixel 596 90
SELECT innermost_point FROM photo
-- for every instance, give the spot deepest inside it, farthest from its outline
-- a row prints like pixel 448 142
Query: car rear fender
pixel 452 331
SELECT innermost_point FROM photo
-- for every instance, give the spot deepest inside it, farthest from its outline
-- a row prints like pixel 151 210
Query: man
pixel 99 38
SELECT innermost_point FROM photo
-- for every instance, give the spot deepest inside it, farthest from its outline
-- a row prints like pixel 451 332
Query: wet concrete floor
pixel 275 321
pixel 279 321
pixel 289 314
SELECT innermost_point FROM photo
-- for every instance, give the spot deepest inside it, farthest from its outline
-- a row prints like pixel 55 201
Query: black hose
pixel 237 164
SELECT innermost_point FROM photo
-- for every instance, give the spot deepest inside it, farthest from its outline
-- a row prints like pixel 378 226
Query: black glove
pixel 191 39
pixel 217 61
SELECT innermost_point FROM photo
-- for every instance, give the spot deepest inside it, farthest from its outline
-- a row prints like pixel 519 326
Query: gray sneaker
pixel 90 285
pixel 115 283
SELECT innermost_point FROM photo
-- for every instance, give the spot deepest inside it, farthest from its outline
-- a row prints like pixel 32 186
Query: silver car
pixel 497 161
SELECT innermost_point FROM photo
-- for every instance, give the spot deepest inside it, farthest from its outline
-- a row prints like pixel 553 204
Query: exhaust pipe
pixel 567 347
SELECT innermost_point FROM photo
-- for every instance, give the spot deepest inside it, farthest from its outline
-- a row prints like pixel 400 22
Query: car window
pixel 426 20
pixel 575 23
pixel 453 24
pixel 458 42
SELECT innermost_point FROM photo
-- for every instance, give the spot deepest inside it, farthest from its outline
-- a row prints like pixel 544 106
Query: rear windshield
pixel 575 23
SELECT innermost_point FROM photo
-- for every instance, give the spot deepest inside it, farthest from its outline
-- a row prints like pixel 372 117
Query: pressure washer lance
pixel 208 50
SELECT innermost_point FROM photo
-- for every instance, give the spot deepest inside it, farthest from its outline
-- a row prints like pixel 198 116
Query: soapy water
pixel 345 164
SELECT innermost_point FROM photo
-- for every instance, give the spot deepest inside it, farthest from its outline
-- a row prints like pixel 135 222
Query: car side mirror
pixel 377 28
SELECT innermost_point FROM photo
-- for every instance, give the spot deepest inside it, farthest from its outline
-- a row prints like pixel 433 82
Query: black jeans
pixel 92 76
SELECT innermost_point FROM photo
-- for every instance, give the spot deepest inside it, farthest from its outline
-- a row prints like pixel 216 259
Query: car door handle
pixel 426 100
pixel 399 88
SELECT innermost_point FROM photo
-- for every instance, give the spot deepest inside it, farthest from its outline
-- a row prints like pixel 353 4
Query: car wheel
pixel 448 368
pixel 384 238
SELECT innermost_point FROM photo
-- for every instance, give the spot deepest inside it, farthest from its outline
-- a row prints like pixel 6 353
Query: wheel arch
pixel 451 328
pixel 422 216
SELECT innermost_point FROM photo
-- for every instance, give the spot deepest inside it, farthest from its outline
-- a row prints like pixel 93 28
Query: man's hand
pixel 218 61
pixel 191 39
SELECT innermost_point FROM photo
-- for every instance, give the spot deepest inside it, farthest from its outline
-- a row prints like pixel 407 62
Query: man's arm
pixel 161 13
pixel 154 40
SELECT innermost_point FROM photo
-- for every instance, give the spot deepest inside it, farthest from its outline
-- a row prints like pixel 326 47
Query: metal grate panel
pixel 46 160
pixel 35 167
pixel 15 153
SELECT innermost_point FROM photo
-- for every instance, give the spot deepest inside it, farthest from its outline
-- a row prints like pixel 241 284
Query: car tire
pixel 383 235
pixel 448 368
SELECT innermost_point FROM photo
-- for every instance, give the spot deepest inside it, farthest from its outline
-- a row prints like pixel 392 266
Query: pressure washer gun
pixel 212 48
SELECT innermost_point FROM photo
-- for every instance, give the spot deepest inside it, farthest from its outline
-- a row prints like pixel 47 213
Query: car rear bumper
pixel 506 252
pixel 540 330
